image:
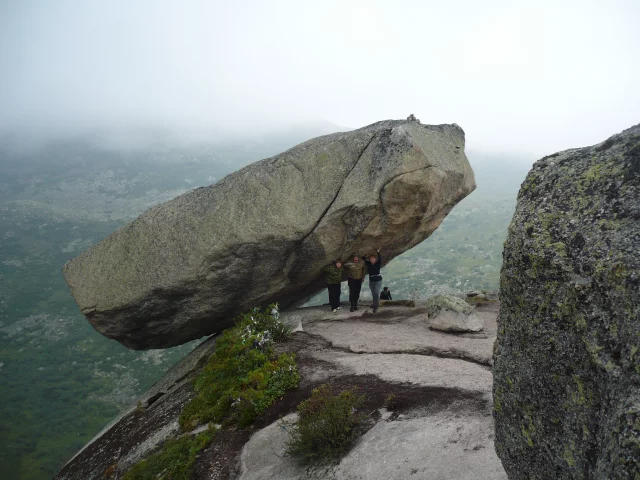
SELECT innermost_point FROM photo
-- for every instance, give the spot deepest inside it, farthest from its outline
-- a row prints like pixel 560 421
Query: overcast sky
pixel 528 77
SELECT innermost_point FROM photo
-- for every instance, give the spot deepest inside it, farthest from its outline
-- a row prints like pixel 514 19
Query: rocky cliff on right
pixel 567 356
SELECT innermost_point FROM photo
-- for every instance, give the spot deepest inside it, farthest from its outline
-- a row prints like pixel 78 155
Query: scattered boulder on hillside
pixel 186 268
pixel 452 314
pixel 567 363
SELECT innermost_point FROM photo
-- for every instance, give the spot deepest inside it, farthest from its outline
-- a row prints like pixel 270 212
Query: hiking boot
pixel 351 309
pixel 338 308
pixel 335 310
pixel 355 307
pixel 375 309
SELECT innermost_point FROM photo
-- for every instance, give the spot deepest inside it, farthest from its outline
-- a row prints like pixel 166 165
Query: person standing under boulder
pixel 333 277
pixel 385 294
pixel 375 279
pixel 355 276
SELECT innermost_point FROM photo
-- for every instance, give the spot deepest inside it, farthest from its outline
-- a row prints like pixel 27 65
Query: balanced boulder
pixel 263 234
pixel 567 359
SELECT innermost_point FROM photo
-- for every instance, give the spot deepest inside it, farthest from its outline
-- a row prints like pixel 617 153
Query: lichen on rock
pixel 452 314
pixel 566 376
pixel 438 303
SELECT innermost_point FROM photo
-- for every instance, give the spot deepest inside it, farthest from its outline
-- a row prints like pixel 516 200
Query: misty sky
pixel 523 77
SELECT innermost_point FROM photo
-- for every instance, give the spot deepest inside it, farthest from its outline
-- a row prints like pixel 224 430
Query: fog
pixel 524 77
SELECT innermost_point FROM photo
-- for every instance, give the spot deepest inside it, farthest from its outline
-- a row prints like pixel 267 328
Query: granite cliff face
pixel 567 359
pixel 185 268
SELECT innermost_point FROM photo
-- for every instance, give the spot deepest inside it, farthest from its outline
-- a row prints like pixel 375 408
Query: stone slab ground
pixel 440 425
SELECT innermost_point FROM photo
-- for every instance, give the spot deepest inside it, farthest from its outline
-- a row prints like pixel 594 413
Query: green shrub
pixel 243 377
pixel 391 402
pixel 327 427
pixel 175 460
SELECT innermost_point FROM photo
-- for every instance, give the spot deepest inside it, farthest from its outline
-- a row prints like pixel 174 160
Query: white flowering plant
pixel 244 376
pixel 263 326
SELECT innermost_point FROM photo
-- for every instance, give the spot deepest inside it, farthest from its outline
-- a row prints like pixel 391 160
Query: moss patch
pixel 175 460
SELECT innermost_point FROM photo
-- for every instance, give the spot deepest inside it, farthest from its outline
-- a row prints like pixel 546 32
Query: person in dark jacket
pixel 356 272
pixel 385 294
pixel 333 277
pixel 374 263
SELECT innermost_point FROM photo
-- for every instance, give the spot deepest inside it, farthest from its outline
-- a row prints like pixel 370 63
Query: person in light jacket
pixel 356 272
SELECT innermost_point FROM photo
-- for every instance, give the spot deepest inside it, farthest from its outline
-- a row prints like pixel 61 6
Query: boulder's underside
pixel 567 360
pixel 186 268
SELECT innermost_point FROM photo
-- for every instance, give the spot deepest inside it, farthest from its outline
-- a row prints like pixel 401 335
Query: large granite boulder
pixel 185 268
pixel 567 360
pixel 452 314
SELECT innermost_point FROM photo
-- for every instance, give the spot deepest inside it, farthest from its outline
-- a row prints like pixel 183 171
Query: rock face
pixel 567 362
pixel 439 426
pixel 185 268
pixel 452 314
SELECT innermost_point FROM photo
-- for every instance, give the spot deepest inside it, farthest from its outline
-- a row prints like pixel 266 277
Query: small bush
pixel 327 427
pixel 175 460
pixel 243 377
pixel 391 402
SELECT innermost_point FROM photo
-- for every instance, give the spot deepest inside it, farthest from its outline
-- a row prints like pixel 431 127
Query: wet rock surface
pixel 174 274
pixel 440 427
pixel 567 375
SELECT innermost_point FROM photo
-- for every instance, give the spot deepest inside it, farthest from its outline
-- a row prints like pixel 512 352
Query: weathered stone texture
pixel 185 268
pixel 452 314
pixel 567 362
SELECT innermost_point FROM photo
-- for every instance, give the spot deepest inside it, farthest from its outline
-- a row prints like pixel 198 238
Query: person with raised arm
pixel 374 263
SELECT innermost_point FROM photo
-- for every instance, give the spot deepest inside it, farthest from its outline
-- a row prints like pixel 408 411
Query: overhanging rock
pixel 185 268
